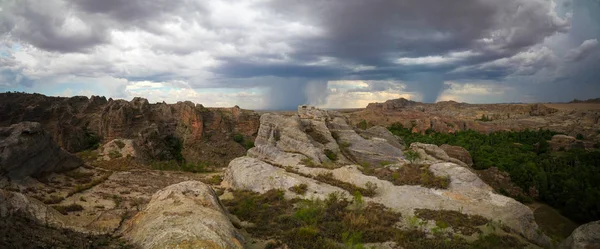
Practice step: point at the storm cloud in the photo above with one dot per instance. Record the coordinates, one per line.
(279, 54)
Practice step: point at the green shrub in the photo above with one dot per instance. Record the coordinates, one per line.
(412, 156)
(68, 208)
(299, 189)
(331, 155)
(113, 154)
(579, 136)
(238, 138)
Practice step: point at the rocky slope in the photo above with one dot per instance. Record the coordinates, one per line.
(320, 150)
(161, 131)
(26, 149)
(450, 116)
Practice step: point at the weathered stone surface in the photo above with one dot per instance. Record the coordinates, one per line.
(564, 142)
(372, 151)
(184, 215)
(27, 150)
(587, 236)
(244, 172)
(433, 153)
(459, 153)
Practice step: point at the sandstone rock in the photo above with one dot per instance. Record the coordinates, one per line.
(459, 153)
(431, 152)
(27, 150)
(79, 123)
(564, 142)
(586, 236)
(244, 172)
(184, 215)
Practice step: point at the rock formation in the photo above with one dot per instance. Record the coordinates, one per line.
(184, 215)
(294, 150)
(564, 142)
(459, 153)
(450, 116)
(185, 130)
(26, 149)
(586, 236)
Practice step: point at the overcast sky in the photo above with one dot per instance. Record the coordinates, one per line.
(262, 54)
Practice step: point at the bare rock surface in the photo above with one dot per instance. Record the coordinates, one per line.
(433, 153)
(12, 203)
(586, 236)
(26, 149)
(184, 215)
(268, 166)
(459, 153)
(564, 142)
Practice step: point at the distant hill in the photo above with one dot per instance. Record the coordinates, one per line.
(596, 100)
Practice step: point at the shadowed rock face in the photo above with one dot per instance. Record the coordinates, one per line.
(184, 215)
(26, 149)
(450, 116)
(77, 123)
(284, 144)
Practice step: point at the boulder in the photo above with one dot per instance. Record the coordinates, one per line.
(117, 148)
(459, 153)
(432, 153)
(183, 215)
(28, 150)
(17, 204)
(587, 236)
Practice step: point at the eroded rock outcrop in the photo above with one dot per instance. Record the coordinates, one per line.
(284, 145)
(459, 153)
(564, 142)
(26, 149)
(17, 204)
(586, 236)
(80, 123)
(183, 215)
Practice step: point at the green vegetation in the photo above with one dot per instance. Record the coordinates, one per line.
(299, 189)
(567, 180)
(338, 223)
(92, 140)
(329, 223)
(410, 174)
(68, 208)
(114, 154)
(465, 224)
(329, 179)
(83, 187)
(412, 156)
(363, 124)
(197, 167)
(238, 138)
(331, 155)
(484, 118)
(579, 136)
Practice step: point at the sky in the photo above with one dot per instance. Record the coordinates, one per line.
(278, 54)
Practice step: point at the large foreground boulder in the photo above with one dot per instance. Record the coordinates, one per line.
(586, 236)
(17, 204)
(28, 150)
(459, 153)
(183, 215)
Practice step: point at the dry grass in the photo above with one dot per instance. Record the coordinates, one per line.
(68, 208)
(465, 224)
(410, 174)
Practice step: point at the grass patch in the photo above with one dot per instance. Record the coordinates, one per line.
(214, 180)
(308, 162)
(88, 155)
(80, 177)
(84, 187)
(172, 165)
(331, 155)
(53, 199)
(68, 208)
(465, 224)
(329, 179)
(299, 189)
(329, 223)
(410, 174)
(113, 154)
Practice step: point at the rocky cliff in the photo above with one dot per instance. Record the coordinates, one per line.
(450, 116)
(161, 131)
(320, 151)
